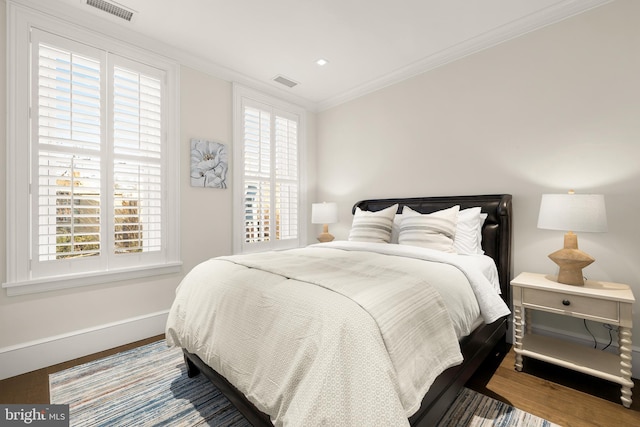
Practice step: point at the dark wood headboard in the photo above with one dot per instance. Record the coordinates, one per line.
(496, 233)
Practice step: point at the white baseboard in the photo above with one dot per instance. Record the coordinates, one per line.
(26, 357)
(587, 341)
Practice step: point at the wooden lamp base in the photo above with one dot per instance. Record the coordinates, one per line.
(571, 261)
(325, 236)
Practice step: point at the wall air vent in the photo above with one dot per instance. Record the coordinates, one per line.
(285, 81)
(113, 8)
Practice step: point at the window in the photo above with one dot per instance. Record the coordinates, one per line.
(94, 197)
(268, 146)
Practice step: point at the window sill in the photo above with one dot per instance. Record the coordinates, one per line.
(47, 284)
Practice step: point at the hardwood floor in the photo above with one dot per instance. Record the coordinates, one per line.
(33, 387)
(561, 396)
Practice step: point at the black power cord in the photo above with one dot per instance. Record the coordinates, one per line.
(608, 327)
(595, 343)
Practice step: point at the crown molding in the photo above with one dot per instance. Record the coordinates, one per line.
(117, 29)
(551, 15)
(532, 22)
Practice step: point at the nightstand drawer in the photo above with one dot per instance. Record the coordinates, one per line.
(567, 303)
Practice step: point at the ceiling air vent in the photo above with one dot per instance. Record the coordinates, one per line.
(285, 81)
(113, 8)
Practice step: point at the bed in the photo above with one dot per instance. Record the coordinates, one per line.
(474, 347)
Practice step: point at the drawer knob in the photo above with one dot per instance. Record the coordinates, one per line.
(566, 302)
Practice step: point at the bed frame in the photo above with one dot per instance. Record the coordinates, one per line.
(484, 341)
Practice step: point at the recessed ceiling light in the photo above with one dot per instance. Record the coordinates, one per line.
(322, 62)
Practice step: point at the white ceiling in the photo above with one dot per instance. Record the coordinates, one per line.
(369, 43)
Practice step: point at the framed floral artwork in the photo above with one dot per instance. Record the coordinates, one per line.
(209, 164)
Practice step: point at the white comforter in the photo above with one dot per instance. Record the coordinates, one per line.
(333, 334)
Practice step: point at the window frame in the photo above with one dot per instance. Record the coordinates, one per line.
(240, 95)
(20, 156)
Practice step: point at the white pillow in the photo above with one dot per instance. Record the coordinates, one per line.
(373, 226)
(435, 230)
(468, 238)
(397, 220)
(463, 242)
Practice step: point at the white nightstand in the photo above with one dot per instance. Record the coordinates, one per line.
(603, 302)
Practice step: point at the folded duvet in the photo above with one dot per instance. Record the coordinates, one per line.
(329, 334)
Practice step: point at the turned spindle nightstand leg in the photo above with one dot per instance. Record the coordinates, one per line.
(518, 329)
(624, 343)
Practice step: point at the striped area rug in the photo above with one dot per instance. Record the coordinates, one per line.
(148, 386)
(145, 386)
(472, 409)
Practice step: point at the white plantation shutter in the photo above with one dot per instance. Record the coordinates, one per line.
(75, 217)
(68, 120)
(257, 200)
(69, 206)
(257, 142)
(257, 169)
(137, 164)
(286, 177)
(270, 175)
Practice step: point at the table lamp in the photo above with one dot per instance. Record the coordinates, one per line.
(572, 212)
(325, 214)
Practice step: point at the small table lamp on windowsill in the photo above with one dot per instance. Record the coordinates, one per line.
(572, 212)
(325, 214)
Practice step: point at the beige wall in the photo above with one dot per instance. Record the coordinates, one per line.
(556, 109)
(206, 213)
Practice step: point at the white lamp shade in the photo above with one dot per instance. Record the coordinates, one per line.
(573, 212)
(324, 213)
